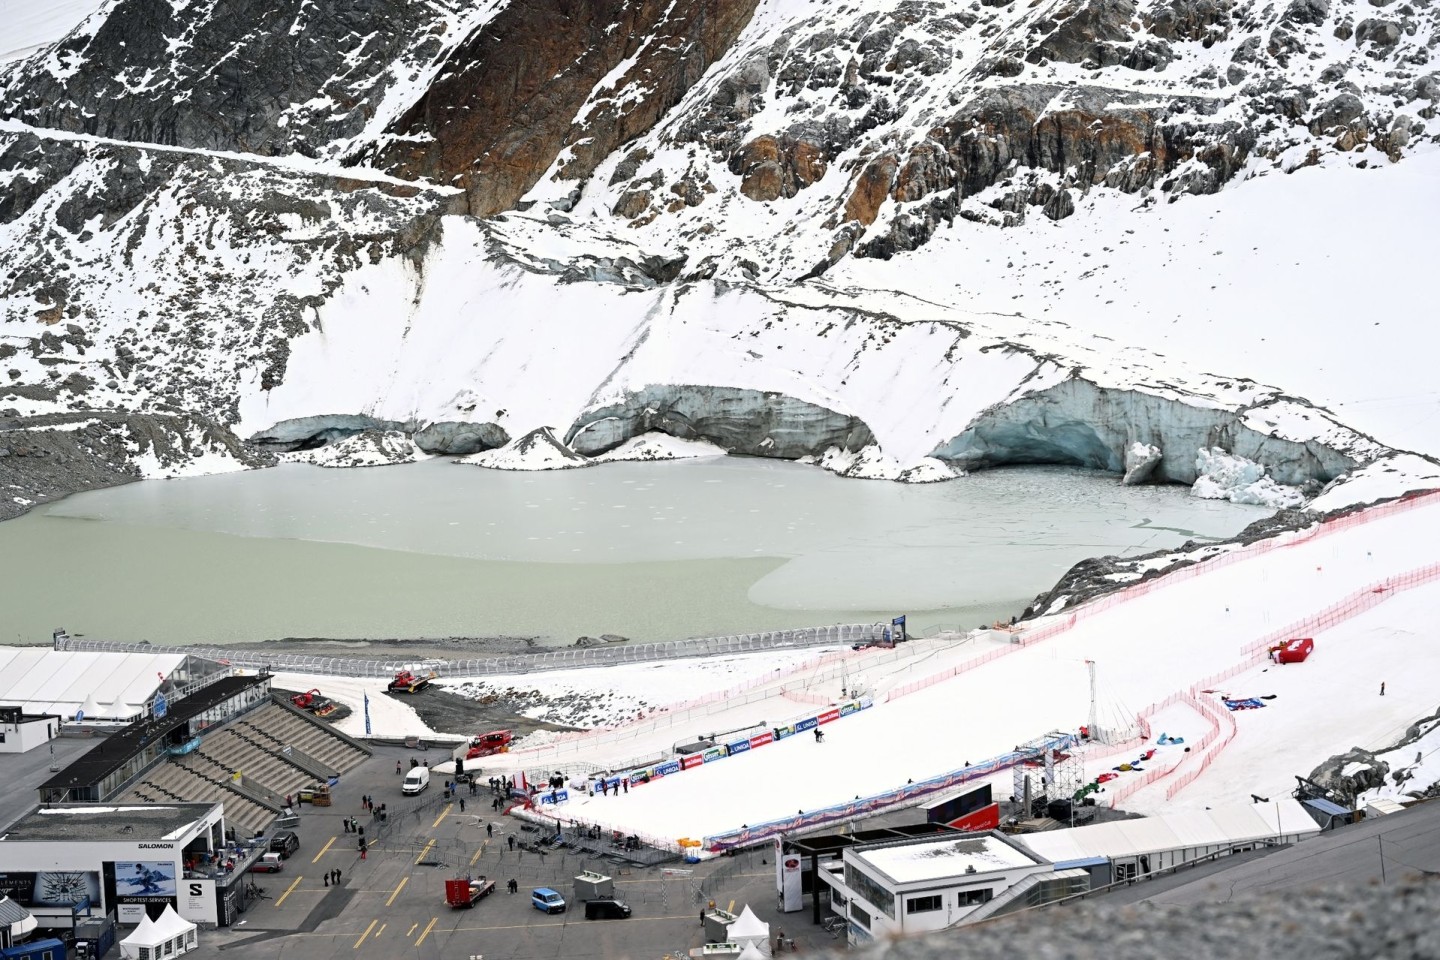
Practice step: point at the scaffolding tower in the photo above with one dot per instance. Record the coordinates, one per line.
(1047, 773)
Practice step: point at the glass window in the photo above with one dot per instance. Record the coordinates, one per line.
(863, 886)
(859, 915)
(922, 904)
(973, 898)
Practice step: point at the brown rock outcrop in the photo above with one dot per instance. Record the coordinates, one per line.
(511, 97)
(772, 167)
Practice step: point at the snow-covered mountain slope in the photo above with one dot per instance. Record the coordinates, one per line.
(778, 227)
(31, 26)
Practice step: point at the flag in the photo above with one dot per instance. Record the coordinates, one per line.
(367, 713)
(899, 624)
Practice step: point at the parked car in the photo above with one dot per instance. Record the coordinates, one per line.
(268, 863)
(285, 843)
(543, 898)
(606, 909)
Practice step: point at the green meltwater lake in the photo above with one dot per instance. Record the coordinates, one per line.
(650, 551)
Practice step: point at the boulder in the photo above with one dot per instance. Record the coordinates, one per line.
(1140, 462)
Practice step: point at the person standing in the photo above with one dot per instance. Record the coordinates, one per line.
(326, 878)
(1382, 688)
(337, 876)
(462, 804)
(362, 848)
(398, 771)
(511, 840)
(489, 829)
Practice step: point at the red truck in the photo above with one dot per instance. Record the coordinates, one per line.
(461, 892)
(496, 741)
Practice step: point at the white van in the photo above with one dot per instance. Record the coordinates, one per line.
(416, 780)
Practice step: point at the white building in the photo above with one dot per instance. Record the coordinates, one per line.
(1135, 848)
(21, 732)
(912, 886)
(60, 860)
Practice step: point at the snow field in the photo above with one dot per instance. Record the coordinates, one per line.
(388, 717)
(1146, 649)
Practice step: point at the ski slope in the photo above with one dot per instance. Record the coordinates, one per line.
(29, 25)
(1146, 649)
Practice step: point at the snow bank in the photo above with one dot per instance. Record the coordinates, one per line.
(372, 448)
(389, 717)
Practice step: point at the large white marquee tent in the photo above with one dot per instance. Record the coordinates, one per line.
(106, 686)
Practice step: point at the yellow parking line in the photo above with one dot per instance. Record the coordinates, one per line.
(324, 850)
(426, 852)
(731, 908)
(428, 927)
(477, 855)
(398, 887)
(381, 930)
(365, 934)
(293, 884)
(443, 814)
(412, 929)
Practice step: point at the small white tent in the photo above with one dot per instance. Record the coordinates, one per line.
(118, 710)
(168, 936)
(751, 952)
(90, 709)
(749, 930)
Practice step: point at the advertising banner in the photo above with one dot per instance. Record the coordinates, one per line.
(51, 888)
(144, 881)
(787, 730)
(197, 901)
(866, 703)
(807, 724)
(665, 769)
(788, 865)
(130, 914)
(714, 753)
(760, 739)
(691, 760)
(554, 796)
(739, 746)
(829, 715)
(849, 707)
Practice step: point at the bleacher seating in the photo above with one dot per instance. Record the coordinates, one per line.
(252, 747)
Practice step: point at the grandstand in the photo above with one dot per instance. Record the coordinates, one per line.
(227, 741)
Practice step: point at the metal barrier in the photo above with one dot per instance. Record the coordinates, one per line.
(567, 659)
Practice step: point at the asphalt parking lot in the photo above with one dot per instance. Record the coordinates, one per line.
(393, 902)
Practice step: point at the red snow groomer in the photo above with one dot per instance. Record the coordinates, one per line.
(496, 741)
(310, 700)
(407, 682)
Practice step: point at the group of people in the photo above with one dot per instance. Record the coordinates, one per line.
(331, 877)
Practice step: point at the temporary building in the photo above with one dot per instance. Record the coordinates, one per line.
(90, 709)
(61, 681)
(751, 952)
(749, 930)
(167, 936)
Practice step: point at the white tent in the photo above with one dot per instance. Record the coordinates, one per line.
(90, 709)
(168, 936)
(750, 932)
(118, 710)
(751, 952)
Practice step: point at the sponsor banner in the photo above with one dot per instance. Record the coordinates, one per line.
(691, 760)
(866, 703)
(642, 775)
(786, 731)
(739, 746)
(554, 796)
(829, 715)
(760, 739)
(808, 723)
(665, 769)
(714, 753)
(790, 896)
(849, 707)
(197, 901)
(986, 818)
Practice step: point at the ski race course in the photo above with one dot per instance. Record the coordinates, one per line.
(1166, 651)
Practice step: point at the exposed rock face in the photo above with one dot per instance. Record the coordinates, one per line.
(1077, 422)
(739, 421)
(48, 457)
(197, 326)
(456, 439)
(528, 84)
(288, 76)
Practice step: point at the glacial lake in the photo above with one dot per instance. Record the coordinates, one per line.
(650, 551)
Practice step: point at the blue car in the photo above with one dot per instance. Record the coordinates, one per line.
(543, 898)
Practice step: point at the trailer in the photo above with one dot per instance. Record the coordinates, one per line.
(408, 682)
(462, 892)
